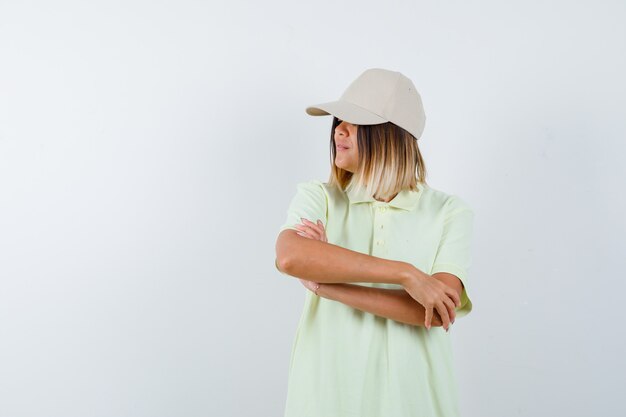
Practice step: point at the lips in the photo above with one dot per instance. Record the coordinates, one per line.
(342, 147)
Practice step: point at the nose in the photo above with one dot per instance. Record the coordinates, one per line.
(341, 129)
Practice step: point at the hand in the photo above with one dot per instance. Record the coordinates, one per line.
(312, 230)
(313, 286)
(432, 294)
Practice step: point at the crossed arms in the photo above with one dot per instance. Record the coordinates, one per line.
(327, 263)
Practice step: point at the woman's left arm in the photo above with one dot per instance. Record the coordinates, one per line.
(395, 304)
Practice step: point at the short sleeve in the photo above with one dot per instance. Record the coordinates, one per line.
(310, 202)
(454, 253)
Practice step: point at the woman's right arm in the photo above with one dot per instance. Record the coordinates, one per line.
(325, 262)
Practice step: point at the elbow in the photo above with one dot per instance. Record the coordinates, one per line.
(287, 250)
(283, 263)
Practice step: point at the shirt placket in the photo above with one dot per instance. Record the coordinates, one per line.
(379, 243)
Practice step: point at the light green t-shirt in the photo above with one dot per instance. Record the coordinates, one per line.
(349, 363)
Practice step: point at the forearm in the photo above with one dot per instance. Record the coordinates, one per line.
(324, 262)
(395, 304)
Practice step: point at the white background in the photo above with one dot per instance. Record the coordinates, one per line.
(148, 151)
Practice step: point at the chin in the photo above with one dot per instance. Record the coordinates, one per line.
(344, 168)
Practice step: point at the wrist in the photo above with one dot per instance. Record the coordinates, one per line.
(408, 274)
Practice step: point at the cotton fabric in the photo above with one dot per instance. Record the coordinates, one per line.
(349, 363)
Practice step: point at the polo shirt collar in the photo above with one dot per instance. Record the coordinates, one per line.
(405, 199)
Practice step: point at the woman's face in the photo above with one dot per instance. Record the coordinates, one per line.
(346, 149)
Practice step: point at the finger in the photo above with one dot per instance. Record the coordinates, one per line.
(429, 317)
(312, 228)
(302, 231)
(319, 222)
(313, 233)
(315, 226)
(451, 292)
(450, 306)
(443, 312)
(323, 231)
(454, 295)
(308, 230)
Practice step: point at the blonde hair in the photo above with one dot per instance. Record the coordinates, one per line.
(389, 161)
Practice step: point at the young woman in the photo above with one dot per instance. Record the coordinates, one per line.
(385, 258)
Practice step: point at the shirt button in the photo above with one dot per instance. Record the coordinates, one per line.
(381, 226)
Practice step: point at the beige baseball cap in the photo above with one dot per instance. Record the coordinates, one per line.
(378, 96)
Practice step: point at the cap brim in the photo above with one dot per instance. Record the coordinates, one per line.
(346, 111)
